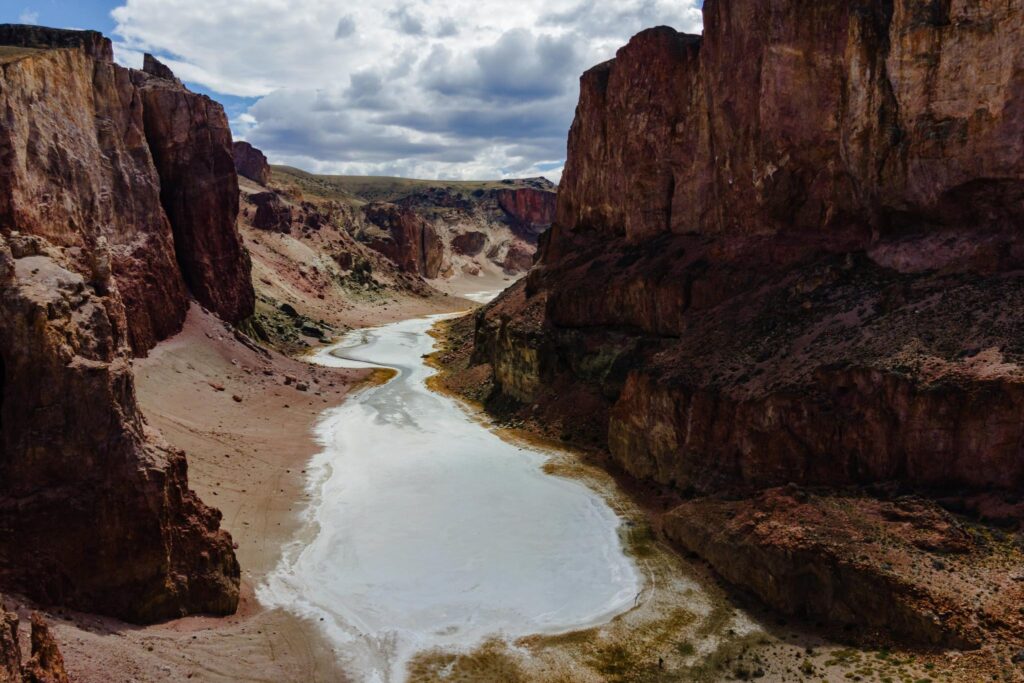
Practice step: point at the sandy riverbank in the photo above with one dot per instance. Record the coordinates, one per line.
(246, 458)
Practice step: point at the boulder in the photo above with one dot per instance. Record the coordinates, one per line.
(469, 243)
(271, 213)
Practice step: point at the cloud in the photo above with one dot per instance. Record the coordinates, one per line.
(28, 16)
(346, 27)
(407, 22)
(455, 89)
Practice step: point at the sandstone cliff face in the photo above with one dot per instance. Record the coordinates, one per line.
(788, 251)
(405, 238)
(251, 163)
(531, 209)
(78, 172)
(836, 122)
(94, 512)
(190, 141)
(805, 218)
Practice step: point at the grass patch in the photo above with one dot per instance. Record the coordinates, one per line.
(489, 662)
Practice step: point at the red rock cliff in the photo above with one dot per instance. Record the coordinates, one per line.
(531, 210)
(405, 238)
(251, 163)
(77, 171)
(786, 250)
(836, 121)
(789, 251)
(94, 512)
(190, 141)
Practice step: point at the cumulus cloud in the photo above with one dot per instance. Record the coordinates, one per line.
(28, 16)
(454, 89)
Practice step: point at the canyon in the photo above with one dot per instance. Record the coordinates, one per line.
(765, 334)
(331, 251)
(786, 254)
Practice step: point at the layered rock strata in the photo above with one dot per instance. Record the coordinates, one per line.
(787, 251)
(111, 206)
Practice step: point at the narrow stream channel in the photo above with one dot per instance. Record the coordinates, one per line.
(426, 530)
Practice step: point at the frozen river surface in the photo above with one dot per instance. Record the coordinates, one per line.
(427, 530)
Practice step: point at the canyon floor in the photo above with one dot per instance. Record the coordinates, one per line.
(245, 417)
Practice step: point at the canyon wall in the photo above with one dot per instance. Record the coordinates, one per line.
(531, 210)
(404, 237)
(838, 122)
(190, 141)
(118, 193)
(787, 254)
(435, 229)
(786, 251)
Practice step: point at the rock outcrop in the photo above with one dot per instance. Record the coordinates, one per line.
(10, 650)
(251, 163)
(95, 512)
(469, 243)
(190, 141)
(901, 567)
(787, 251)
(405, 238)
(46, 664)
(531, 209)
(271, 213)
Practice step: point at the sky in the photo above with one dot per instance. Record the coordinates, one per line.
(468, 89)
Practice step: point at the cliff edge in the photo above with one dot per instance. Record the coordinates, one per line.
(117, 197)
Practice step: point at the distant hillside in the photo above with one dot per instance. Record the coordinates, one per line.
(391, 189)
